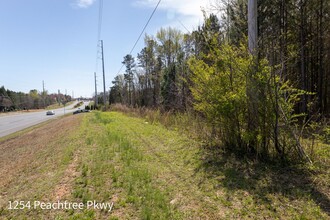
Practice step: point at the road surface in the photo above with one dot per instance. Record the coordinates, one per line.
(15, 122)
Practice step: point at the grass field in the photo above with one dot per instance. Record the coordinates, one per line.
(148, 172)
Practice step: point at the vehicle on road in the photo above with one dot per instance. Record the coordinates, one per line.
(50, 112)
(80, 111)
(77, 111)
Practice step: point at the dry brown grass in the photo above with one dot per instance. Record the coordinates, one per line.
(32, 164)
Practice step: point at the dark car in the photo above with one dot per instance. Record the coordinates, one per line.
(78, 111)
(50, 112)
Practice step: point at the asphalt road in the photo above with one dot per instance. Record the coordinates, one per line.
(15, 122)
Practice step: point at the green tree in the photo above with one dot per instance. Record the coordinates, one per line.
(129, 63)
(117, 90)
(149, 77)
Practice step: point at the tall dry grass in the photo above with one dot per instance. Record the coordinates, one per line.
(189, 122)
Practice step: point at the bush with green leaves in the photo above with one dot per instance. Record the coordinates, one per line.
(221, 81)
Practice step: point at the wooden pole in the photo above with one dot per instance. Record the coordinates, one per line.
(104, 98)
(95, 104)
(252, 26)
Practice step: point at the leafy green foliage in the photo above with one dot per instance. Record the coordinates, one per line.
(253, 104)
(220, 90)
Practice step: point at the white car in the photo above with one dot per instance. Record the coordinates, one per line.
(50, 112)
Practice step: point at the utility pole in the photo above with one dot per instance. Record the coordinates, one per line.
(251, 87)
(104, 98)
(252, 26)
(43, 93)
(59, 97)
(95, 102)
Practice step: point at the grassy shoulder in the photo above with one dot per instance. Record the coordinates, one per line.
(148, 172)
(207, 183)
(32, 164)
(58, 105)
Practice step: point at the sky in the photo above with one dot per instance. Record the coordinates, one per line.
(55, 41)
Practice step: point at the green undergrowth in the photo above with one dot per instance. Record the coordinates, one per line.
(151, 172)
(148, 171)
(115, 170)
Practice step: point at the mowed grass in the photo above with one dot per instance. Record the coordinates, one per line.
(32, 164)
(148, 172)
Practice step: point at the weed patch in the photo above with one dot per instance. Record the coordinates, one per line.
(114, 171)
(148, 171)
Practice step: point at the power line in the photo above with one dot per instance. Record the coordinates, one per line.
(99, 32)
(144, 28)
(183, 26)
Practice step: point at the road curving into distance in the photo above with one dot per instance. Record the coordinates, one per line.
(15, 122)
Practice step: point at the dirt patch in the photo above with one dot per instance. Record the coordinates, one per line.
(64, 188)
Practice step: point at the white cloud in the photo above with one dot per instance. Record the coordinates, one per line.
(84, 3)
(181, 13)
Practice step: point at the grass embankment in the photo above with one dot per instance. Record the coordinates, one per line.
(58, 105)
(33, 163)
(148, 172)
